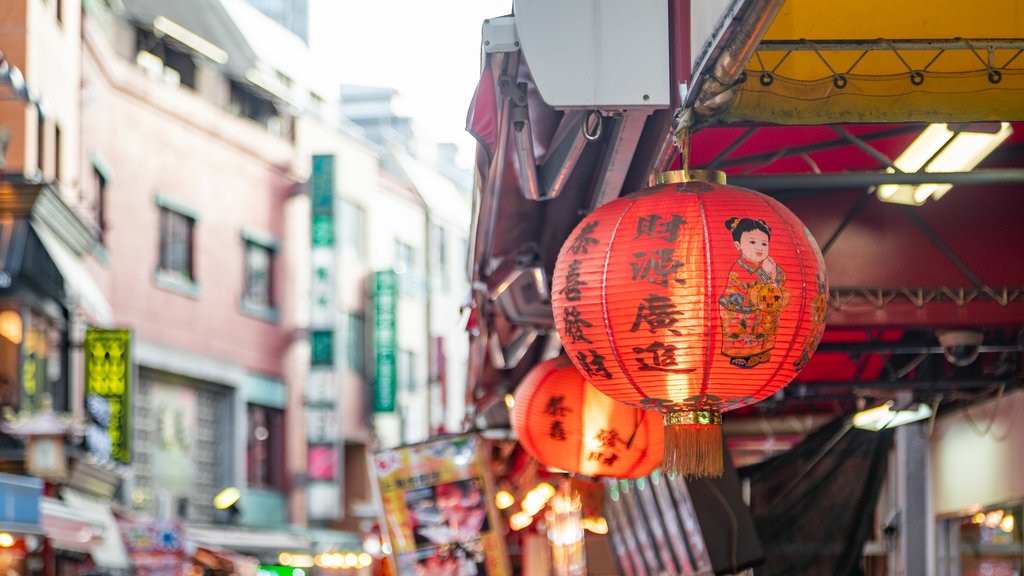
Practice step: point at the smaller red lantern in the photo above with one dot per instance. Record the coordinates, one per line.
(565, 422)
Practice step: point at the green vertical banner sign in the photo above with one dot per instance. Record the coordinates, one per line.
(321, 191)
(108, 386)
(385, 301)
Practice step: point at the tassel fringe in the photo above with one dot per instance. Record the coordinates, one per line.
(693, 451)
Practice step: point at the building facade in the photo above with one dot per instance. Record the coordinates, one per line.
(48, 297)
(163, 286)
(193, 168)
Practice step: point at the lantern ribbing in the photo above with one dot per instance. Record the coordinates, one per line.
(690, 298)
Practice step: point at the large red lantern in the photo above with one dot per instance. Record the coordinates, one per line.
(691, 298)
(566, 423)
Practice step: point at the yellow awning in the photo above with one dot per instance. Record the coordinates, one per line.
(883, 61)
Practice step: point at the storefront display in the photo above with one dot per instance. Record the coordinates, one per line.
(21, 529)
(987, 542)
(437, 507)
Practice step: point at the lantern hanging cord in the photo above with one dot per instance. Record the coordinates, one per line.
(681, 134)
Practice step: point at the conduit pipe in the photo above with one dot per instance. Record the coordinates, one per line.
(564, 155)
(716, 83)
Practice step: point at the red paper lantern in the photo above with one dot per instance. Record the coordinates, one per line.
(691, 298)
(566, 423)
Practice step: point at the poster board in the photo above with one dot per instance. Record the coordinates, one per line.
(437, 508)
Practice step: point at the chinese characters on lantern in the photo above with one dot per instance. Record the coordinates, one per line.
(656, 312)
(690, 298)
(557, 409)
(566, 423)
(606, 442)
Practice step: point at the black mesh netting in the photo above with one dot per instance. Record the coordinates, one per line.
(814, 505)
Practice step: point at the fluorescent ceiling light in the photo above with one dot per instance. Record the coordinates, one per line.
(941, 150)
(882, 417)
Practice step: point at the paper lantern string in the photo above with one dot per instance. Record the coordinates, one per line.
(681, 133)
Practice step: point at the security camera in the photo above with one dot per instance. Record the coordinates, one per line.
(961, 347)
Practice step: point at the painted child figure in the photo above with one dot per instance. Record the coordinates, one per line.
(751, 303)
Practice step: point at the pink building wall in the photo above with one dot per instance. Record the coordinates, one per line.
(228, 170)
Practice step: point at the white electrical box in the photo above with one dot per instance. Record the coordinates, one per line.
(499, 35)
(597, 53)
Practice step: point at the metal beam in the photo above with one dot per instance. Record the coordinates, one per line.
(761, 158)
(812, 388)
(894, 44)
(623, 136)
(859, 348)
(840, 180)
(843, 296)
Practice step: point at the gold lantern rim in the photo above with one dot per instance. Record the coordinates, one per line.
(678, 176)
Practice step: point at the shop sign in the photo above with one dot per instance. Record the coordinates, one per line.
(321, 191)
(19, 501)
(385, 302)
(438, 508)
(108, 384)
(156, 548)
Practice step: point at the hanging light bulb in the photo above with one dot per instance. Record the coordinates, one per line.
(1006, 524)
(504, 499)
(519, 520)
(993, 518)
(597, 525)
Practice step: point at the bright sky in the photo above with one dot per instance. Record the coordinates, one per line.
(428, 51)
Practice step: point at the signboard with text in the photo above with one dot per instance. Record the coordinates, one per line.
(108, 385)
(385, 301)
(438, 508)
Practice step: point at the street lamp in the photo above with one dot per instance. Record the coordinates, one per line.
(226, 505)
(44, 432)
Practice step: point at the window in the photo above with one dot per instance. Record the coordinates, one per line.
(265, 452)
(56, 153)
(440, 259)
(41, 142)
(176, 245)
(182, 63)
(462, 255)
(248, 103)
(355, 344)
(43, 353)
(258, 295)
(463, 249)
(11, 335)
(316, 103)
(164, 59)
(100, 201)
(405, 257)
(353, 228)
(405, 370)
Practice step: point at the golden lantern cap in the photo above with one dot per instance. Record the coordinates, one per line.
(677, 176)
